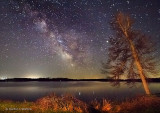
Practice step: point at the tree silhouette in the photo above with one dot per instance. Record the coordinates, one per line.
(130, 53)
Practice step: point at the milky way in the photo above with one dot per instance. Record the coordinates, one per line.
(66, 44)
(65, 38)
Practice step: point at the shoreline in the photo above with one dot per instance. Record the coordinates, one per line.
(151, 80)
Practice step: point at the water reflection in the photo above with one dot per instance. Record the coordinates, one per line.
(85, 91)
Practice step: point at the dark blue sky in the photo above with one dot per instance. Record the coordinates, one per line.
(65, 38)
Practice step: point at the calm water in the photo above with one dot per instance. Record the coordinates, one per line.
(85, 91)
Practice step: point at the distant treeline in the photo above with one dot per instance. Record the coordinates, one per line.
(68, 79)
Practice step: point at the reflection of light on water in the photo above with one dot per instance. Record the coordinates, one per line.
(86, 91)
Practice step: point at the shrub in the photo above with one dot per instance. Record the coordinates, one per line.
(103, 106)
(145, 104)
(62, 103)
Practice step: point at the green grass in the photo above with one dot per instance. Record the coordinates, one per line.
(9, 106)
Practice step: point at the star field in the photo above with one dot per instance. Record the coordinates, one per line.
(65, 38)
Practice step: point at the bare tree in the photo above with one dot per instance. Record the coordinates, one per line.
(130, 53)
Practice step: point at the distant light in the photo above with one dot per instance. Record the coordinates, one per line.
(33, 76)
(107, 41)
(3, 78)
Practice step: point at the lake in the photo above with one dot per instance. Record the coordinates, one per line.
(84, 90)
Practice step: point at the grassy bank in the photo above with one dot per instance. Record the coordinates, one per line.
(69, 104)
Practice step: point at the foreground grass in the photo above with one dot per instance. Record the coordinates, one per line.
(14, 107)
(145, 104)
(69, 104)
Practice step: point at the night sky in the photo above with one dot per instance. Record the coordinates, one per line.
(65, 38)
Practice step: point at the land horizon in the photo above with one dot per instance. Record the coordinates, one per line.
(70, 79)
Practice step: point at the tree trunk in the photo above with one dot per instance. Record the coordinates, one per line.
(139, 67)
(134, 54)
